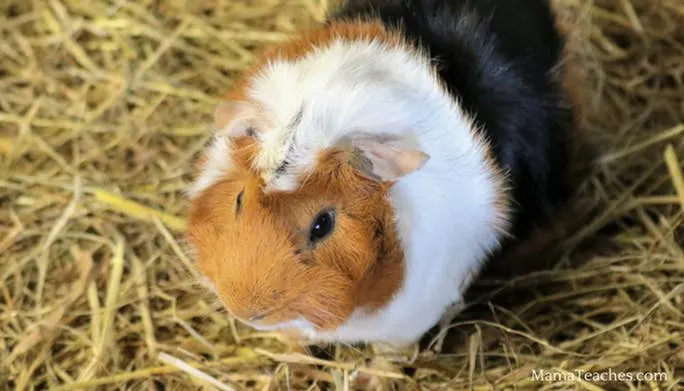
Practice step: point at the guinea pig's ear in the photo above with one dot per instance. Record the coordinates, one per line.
(233, 118)
(385, 158)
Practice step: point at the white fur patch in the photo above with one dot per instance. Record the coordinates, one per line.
(217, 164)
(446, 212)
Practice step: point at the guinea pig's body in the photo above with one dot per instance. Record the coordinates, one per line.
(364, 172)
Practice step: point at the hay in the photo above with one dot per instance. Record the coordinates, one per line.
(103, 106)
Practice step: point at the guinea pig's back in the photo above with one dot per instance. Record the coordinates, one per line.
(496, 58)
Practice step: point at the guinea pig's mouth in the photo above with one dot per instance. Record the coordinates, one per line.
(299, 323)
(261, 321)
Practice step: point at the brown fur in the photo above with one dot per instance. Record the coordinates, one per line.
(260, 259)
(576, 83)
(572, 71)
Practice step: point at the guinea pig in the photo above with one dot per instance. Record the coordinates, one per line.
(362, 173)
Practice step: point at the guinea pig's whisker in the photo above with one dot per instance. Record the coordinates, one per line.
(306, 179)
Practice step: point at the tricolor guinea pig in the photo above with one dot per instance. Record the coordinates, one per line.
(362, 173)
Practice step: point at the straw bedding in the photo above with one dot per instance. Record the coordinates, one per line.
(103, 107)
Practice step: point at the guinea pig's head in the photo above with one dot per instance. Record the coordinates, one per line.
(309, 255)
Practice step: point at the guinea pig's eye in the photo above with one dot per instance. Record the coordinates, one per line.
(322, 226)
(238, 203)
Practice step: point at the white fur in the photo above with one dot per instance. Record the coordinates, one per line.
(446, 212)
(217, 164)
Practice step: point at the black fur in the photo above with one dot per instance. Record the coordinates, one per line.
(496, 57)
